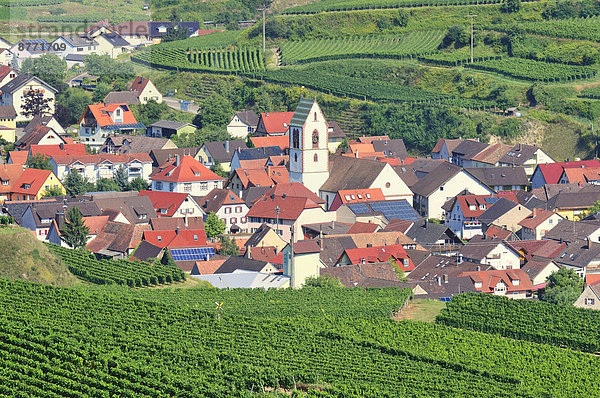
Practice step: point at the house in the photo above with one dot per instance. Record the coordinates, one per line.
(572, 205)
(242, 124)
(487, 157)
(502, 178)
(582, 256)
(335, 136)
(545, 248)
(146, 251)
(462, 212)
(348, 196)
(160, 156)
(168, 128)
(549, 173)
(263, 153)
(377, 254)
(75, 45)
(9, 175)
(465, 150)
(443, 149)
(6, 58)
(590, 298)
(48, 121)
(95, 167)
(185, 174)
(28, 48)
(126, 207)
(177, 239)
(265, 236)
(580, 175)
(39, 216)
(571, 231)
(538, 223)
(33, 184)
(173, 204)
(40, 135)
(134, 144)
(234, 263)
(122, 97)
(287, 207)
(268, 254)
(434, 237)
(95, 226)
(228, 207)
(528, 156)
(495, 231)
(211, 153)
(116, 240)
(445, 182)
(273, 123)
(351, 173)
(378, 212)
(173, 223)
(6, 72)
(51, 151)
(8, 124)
(241, 180)
(242, 279)
(158, 29)
(511, 283)
(301, 261)
(391, 148)
(539, 269)
(111, 44)
(490, 251)
(145, 90)
(504, 213)
(137, 33)
(13, 93)
(99, 121)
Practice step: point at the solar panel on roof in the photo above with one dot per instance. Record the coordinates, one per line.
(396, 209)
(194, 254)
(359, 208)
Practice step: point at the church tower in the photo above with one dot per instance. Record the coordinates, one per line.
(309, 155)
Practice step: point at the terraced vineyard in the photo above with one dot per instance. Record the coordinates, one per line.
(224, 60)
(208, 41)
(120, 342)
(575, 28)
(593, 92)
(134, 274)
(460, 56)
(349, 5)
(413, 44)
(541, 322)
(528, 69)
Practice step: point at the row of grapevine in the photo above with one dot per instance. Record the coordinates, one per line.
(537, 321)
(532, 70)
(387, 46)
(350, 5)
(230, 60)
(575, 28)
(366, 88)
(593, 92)
(105, 342)
(91, 18)
(460, 56)
(208, 41)
(134, 274)
(29, 3)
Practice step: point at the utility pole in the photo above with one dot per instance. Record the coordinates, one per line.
(264, 8)
(471, 16)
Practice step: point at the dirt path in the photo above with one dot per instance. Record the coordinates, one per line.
(423, 310)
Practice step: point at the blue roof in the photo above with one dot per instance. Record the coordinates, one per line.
(194, 254)
(114, 127)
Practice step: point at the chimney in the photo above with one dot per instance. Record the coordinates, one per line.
(185, 221)
(60, 219)
(227, 146)
(177, 231)
(478, 268)
(588, 242)
(445, 278)
(176, 160)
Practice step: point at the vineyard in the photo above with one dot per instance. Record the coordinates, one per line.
(90, 18)
(536, 321)
(528, 69)
(121, 272)
(593, 93)
(222, 60)
(106, 342)
(576, 28)
(209, 41)
(29, 3)
(413, 44)
(460, 56)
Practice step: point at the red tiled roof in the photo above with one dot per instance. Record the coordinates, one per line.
(139, 84)
(592, 279)
(262, 253)
(189, 169)
(210, 266)
(95, 223)
(362, 227)
(276, 122)
(537, 217)
(58, 150)
(169, 201)
(18, 157)
(99, 158)
(294, 189)
(490, 278)
(263, 177)
(360, 195)
(33, 178)
(282, 141)
(4, 71)
(306, 246)
(377, 254)
(172, 239)
(580, 175)
(553, 171)
(465, 201)
(495, 231)
(102, 116)
(369, 139)
(10, 173)
(290, 208)
(547, 248)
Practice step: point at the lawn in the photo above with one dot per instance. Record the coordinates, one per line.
(424, 310)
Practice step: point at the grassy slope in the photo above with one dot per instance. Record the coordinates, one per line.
(24, 257)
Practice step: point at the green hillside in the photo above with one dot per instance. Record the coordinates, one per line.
(23, 257)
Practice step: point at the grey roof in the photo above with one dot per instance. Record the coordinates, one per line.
(494, 176)
(213, 200)
(259, 153)
(427, 234)
(46, 211)
(391, 148)
(75, 57)
(391, 209)
(217, 149)
(333, 247)
(519, 154)
(37, 121)
(249, 118)
(190, 27)
(133, 143)
(335, 131)
(407, 174)
(16, 209)
(327, 228)
(548, 191)
(301, 112)
(535, 265)
(579, 254)
(146, 250)
(421, 166)
(498, 209)
(573, 200)
(418, 256)
(169, 124)
(79, 41)
(115, 39)
(432, 181)
(234, 263)
(122, 97)
(570, 231)
(469, 148)
(137, 209)
(22, 80)
(160, 156)
(479, 247)
(245, 280)
(7, 111)
(257, 236)
(251, 194)
(351, 173)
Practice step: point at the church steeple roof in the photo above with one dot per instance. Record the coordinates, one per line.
(302, 111)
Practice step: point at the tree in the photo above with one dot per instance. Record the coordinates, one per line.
(215, 110)
(49, 67)
(591, 210)
(564, 287)
(74, 232)
(121, 178)
(138, 184)
(511, 6)
(150, 112)
(323, 281)
(208, 133)
(75, 100)
(100, 92)
(217, 168)
(54, 190)
(40, 162)
(106, 184)
(106, 68)
(228, 246)
(75, 184)
(175, 32)
(34, 104)
(213, 225)
(456, 35)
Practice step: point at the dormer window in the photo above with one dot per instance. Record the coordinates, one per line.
(515, 282)
(159, 238)
(4, 182)
(478, 285)
(471, 207)
(195, 237)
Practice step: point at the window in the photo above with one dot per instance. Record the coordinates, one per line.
(163, 211)
(233, 220)
(238, 209)
(187, 187)
(204, 186)
(158, 185)
(171, 186)
(316, 158)
(315, 116)
(590, 301)
(441, 188)
(195, 237)
(296, 139)
(227, 210)
(550, 221)
(243, 220)
(159, 238)
(315, 139)
(216, 184)
(295, 157)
